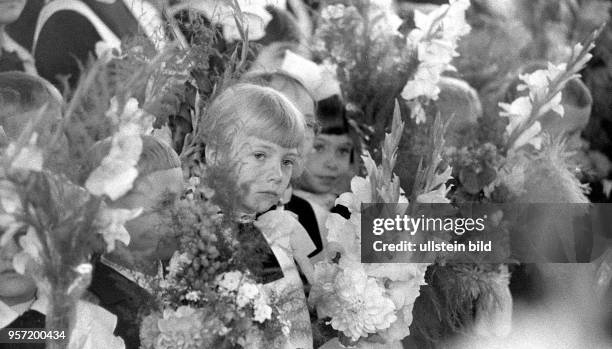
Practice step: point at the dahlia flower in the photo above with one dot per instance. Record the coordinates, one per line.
(359, 305)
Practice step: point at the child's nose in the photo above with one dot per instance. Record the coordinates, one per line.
(331, 163)
(275, 172)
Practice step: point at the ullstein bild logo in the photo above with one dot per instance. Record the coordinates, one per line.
(494, 233)
(432, 246)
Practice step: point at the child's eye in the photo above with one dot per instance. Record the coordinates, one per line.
(288, 162)
(344, 151)
(259, 155)
(319, 147)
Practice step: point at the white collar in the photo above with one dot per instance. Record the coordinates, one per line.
(10, 45)
(144, 281)
(8, 313)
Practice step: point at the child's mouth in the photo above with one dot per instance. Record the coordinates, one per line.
(327, 179)
(269, 193)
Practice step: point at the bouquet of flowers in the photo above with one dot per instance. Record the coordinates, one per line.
(233, 311)
(65, 223)
(371, 302)
(492, 164)
(361, 41)
(209, 297)
(379, 58)
(508, 158)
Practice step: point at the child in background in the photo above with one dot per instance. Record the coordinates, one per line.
(318, 88)
(259, 133)
(13, 57)
(22, 306)
(23, 95)
(329, 164)
(122, 279)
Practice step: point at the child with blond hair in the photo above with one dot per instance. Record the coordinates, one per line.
(259, 133)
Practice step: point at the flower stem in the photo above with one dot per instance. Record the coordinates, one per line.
(60, 317)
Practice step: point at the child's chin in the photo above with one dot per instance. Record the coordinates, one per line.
(262, 204)
(262, 207)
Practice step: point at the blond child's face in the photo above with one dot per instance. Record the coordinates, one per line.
(149, 237)
(10, 10)
(327, 163)
(14, 287)
(264, 169)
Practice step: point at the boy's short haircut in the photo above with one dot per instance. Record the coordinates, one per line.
(244, 110)
(156, 156)
(20, 95)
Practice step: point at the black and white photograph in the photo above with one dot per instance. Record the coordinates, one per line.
(305, 174)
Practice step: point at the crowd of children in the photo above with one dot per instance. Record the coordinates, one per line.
(266, 129)
(286, 140)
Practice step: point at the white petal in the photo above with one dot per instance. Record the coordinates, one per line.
(529, 136)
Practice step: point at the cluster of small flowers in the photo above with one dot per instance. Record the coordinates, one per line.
(190, 269)
(361, 38)
(230, 309)
(476, 166)
(237, 311)
(247, 294)
(185, 328)
(336, 22)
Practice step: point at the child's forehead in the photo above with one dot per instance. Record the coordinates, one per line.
(251, 141)
(334, 138)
